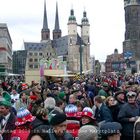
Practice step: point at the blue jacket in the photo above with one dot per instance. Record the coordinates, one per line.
(103, 114)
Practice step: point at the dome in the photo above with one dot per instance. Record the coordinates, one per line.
(84, 19)
(72, 17)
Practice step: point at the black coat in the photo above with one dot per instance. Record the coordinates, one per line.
(10, 125)
(114, 112)
(126, 112)
(39, 124)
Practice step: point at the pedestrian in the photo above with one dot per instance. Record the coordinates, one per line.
(102, 112)
(87, 117)
(88, 132)
(73, 122)
(111, 131)
(7, 117)
(127, 116)
(23, 124)
(58, 124)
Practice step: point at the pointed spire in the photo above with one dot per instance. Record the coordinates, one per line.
(45, 32)
(56, 31)
(56, 18)
(45, 21)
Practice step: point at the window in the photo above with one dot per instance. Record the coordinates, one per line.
(35, 54)
(30, 60)
(35, 66)
(30, 54)
(40, 54)
(31, 66)
(35, 60)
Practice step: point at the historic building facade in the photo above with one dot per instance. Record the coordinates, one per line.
(75, 41)
(115, 62)
(5, 50)
(61, 46)
(131, 43)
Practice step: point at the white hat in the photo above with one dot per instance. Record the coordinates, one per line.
(131, 93)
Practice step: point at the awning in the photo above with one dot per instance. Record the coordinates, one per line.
(62, 75)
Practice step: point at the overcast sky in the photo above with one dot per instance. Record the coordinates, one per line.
(24, 19)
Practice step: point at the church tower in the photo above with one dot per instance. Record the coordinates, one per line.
(85, 35)
(85, 28)
(45, 32)
(132, 28)
(56, 31)
(73, 49)
(72, 28)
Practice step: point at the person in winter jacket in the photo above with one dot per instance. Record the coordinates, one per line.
(127, 116)
(24, 118)
(58, 124)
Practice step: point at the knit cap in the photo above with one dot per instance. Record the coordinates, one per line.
(55, 117)
(61, 95)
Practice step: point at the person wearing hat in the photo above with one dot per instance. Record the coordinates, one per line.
(128, 114)
(62, 96)
(105, 90)
(23, 120)
(87, 117)
(73, 123)
(58, 124)
(120, 98)
(7, 117)
(111, 131)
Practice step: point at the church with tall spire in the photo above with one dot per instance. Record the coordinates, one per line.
(45, 32)
(66, 47)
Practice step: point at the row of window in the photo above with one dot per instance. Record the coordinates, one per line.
(35, 54)
(33, 60)
(34, 66)
(39, 54)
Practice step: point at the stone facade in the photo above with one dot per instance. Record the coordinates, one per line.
(67, 46)
(5, 49)
(77, 42)
(132, 28)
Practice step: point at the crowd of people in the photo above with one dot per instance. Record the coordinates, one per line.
(95, 108)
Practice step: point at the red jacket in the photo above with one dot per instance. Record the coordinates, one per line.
(73, 127)
(20, 133)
